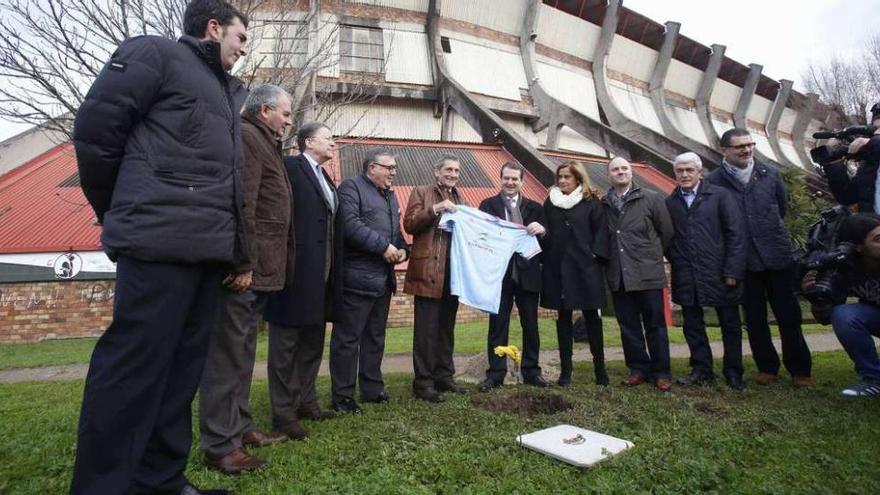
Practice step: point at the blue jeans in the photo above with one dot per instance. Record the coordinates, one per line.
(854, 325)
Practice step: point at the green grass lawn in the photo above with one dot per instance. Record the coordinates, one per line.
(470, 338)
(772, 439)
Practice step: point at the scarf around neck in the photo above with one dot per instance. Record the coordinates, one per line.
(566, 201)
(741, 174)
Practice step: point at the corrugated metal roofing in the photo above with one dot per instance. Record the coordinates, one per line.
(41, 211)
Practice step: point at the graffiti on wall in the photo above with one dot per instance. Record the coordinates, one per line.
(95, 294)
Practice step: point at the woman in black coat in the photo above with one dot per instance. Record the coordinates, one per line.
(575, 242)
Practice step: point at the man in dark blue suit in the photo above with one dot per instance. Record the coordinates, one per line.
(373, 245)
(297, 314)
(522, 282)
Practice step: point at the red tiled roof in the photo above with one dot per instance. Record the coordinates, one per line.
(39, 214)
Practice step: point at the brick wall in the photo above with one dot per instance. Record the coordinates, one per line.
(46, 310)
(50, 310)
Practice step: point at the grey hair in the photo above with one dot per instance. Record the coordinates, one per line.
(374, 155)
(443, 159)
(267, 94)
(689, 157)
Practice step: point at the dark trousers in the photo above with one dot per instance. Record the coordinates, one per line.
(224, 393)
(294, 361)
(566, 332)
(135, 428)
(499, 326)
(855, 326)
(357, 345)
(777, 287)
(640, 316)
(698, 342)
(434, 340)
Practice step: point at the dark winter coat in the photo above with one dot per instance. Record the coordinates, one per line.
(159, 152)
(308, 299)
(267, 198)
(575, 246)
(528, 271)
(639, 234)
(372, 221)
(709, 246)
(762, 204)
(426, 271)
(860, 188)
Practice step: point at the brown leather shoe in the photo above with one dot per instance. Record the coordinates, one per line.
(235, 462)
(257, 438)
(314, 412)
(766, 378)
(633, 380)
(803, 381)
(663, 384)
(294, 431)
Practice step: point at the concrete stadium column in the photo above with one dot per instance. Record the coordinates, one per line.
(799, 129)
(656, 86)
(745, 98)
(773, 121)
(616, 118)
(704, 93)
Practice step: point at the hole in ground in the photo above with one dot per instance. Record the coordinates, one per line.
(523, 403)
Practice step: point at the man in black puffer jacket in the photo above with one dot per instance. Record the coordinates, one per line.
(160, 160)
(770, 270)
(373, 245)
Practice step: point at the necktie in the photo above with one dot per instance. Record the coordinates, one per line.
(328, 193)
(513, 213)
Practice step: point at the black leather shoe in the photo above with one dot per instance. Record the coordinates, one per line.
(347, 406)
(735, 382)
(564, 380)
(429, 394)
(188, 489)
(536, 381)
(450, 386)
(695, 378)
(382, 397)
(487, 385)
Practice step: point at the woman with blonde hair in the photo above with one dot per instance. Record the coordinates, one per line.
(575, 247)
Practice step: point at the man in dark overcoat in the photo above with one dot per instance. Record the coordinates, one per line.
(708, 256)
(373, 245)
(770, 269)
(158, 145)
(297, 315)
(639, 229)
(521, 283)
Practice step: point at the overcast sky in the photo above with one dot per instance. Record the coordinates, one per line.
(781, 35)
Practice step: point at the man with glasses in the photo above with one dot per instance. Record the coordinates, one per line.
(770, 277)
(297, 314)
(373, 245)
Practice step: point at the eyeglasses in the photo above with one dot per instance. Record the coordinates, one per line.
(743, 146)
(390, 168)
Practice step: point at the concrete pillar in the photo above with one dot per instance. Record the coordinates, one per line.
(704, 93)
(772, 126)
(799, 129)
(656, 86)
(615, 117)
(745, 98)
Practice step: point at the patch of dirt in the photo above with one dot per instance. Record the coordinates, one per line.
(709, 408)
(524, 403)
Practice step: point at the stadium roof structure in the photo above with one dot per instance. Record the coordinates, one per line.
(42, 208)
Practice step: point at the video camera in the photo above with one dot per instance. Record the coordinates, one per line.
(823, 254)
(827, 154)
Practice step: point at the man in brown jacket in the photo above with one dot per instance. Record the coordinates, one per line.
(226, 423)
(427, 278)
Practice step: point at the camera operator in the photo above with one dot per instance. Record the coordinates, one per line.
(856, 323)
(860, 189)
